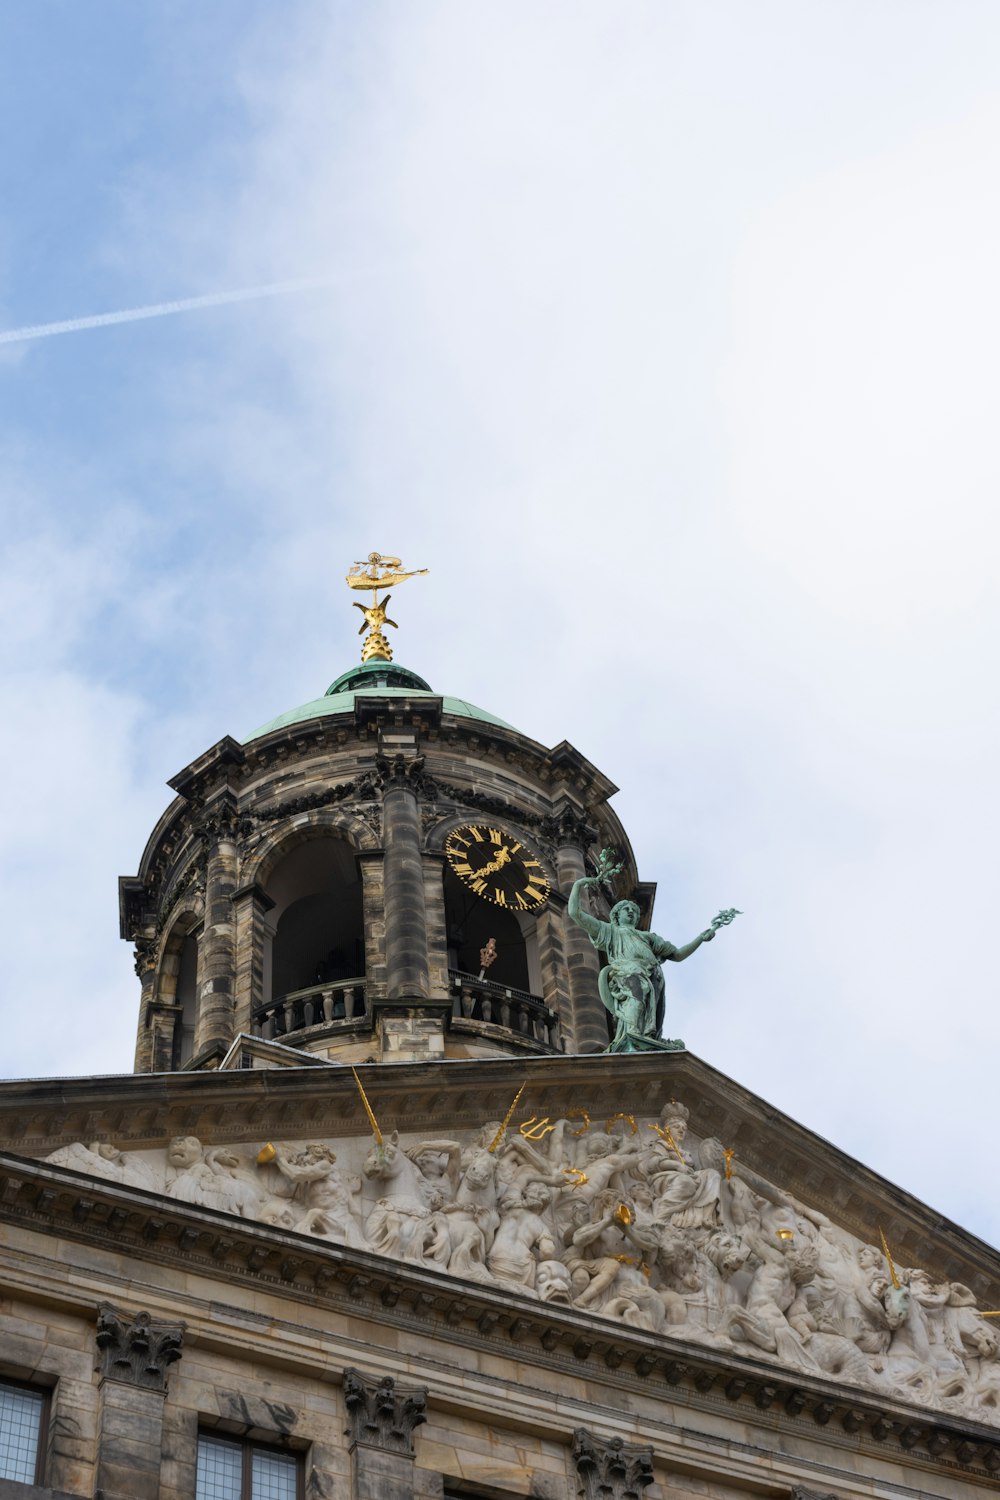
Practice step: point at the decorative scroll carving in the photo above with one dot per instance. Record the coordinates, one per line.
(464, 796)
(383, 1416)
(134, 1349)
(610, 1468)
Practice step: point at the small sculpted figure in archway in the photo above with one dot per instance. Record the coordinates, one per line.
(631, 983)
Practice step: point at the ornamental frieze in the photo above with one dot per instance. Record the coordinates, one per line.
(630, 1220)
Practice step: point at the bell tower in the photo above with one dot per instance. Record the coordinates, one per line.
(379, 874)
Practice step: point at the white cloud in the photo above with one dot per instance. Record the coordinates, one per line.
(668, 348)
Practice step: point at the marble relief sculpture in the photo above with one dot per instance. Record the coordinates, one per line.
(629, 1220)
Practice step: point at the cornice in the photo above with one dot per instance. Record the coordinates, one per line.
(82, 1210)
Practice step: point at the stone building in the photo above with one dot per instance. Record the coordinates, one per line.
(377, 1216)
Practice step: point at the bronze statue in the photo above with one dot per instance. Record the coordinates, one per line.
(631, 983)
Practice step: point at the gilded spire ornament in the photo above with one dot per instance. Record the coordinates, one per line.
(378, 572)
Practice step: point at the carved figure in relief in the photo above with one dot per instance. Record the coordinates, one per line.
(319, 1193)
(522, 1239)
(404, 1224)
(473, 1219)
(631, 984)
(209, 1178)
(102, 1159)
(774, 1315)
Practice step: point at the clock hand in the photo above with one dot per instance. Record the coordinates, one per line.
(503, 858)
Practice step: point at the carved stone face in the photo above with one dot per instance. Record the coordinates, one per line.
(184, 1151)
(480, 1170)
(552, 1282)
(536, 1197)
(598, 1145)
(433, 1163)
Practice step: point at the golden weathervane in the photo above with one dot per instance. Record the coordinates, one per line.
(378, 572)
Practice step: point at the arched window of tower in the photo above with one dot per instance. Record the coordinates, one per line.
(314, 933)
(471, 922)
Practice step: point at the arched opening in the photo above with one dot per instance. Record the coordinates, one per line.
(187, 999)
(471, 922)
(178, 985)
(316, 925)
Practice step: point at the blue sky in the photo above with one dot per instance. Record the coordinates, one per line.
(664, 335)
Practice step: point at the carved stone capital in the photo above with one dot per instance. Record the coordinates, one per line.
(219, 821)
(134, 1349)
(145, 955)
(800, 1492)
(383, 1416)
(611, 1469)
(394, 771)
(567, 826)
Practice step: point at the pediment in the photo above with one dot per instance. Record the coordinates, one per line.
(648, 1192)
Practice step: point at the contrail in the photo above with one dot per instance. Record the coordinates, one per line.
(160, 309)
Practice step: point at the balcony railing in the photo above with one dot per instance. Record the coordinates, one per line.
(339, 1000)
(497, 1004)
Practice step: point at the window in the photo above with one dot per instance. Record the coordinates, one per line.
(22, 1419)
(229, 1470)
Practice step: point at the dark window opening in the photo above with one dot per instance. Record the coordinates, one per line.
(471, 922)
(317, 919)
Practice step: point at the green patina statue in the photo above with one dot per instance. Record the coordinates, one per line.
(631, 984)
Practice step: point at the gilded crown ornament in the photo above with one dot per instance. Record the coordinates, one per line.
(378, 572)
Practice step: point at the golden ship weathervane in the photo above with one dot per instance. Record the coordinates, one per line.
(378, 572)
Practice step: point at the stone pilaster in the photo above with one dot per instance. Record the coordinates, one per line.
(436, 925)
(145, 967)
(215, 1026)
(371, 863)
(587, 1030)
(610, 1468)
(382, 1419)
(133, 1356)
(250, 908)
(407, 976)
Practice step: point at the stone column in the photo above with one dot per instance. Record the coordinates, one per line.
(145, 967)
(588, 1029)
(133, 1355)
(250, 907)
(609, 1468)
(436, 926)
(407, 976)
(371, 863)
(215, 1026)
(382, 1419)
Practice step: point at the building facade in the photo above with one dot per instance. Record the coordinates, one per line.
(377, 1215)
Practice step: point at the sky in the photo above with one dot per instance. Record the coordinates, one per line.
(664, 335)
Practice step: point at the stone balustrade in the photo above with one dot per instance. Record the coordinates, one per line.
(516, 1011)
(338, 1000)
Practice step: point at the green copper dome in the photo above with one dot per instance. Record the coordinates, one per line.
(383, 678)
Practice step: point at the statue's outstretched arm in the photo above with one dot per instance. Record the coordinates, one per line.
(681, 953)
(592, 926)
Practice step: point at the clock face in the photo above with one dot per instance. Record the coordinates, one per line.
(496, 866)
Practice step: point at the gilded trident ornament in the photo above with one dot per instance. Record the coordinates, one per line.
(378, 572)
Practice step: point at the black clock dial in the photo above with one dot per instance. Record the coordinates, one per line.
(496, 866)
